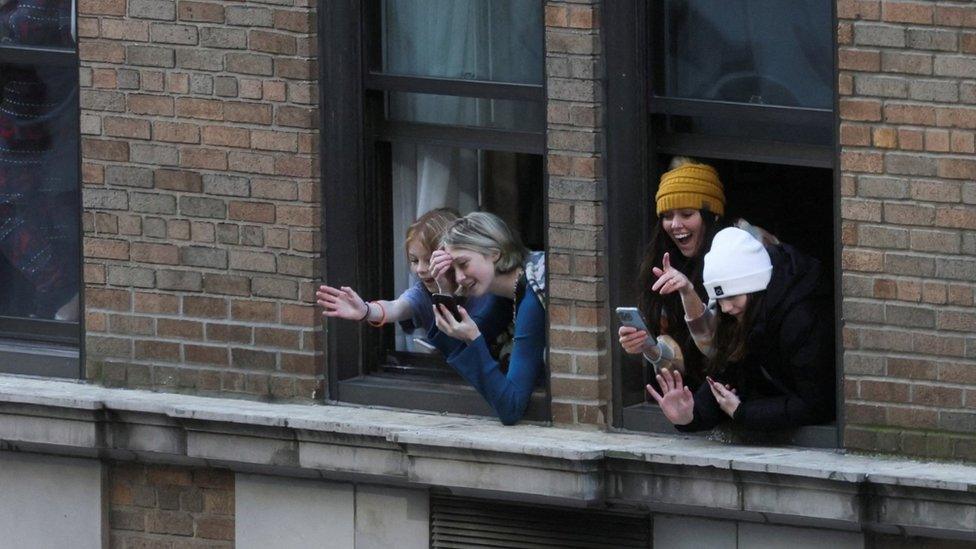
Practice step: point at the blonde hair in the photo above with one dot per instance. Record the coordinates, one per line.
(484, 233)
(428, 229)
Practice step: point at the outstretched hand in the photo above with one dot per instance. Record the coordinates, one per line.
(341, 302)
(675, 399)
(465, 329)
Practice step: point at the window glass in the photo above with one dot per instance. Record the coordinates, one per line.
(493, 40)
(766, 52)
(425, 177)
(36, 23)
(466, 111)
(39, 255)
(729, 127)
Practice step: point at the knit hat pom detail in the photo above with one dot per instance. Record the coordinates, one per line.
(692, 186)
(737, 264)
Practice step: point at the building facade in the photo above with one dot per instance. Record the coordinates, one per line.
(183, 390)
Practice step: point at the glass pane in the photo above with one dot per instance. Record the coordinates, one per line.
(36, 23)
(494, 40)
(425, 177)
(749, 51)
(769, 131)
(39, 225)
(503, 114)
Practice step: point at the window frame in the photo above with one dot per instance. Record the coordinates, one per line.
(45, 347)
(633, 145)
(350, 132)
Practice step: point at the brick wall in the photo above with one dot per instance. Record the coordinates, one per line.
(579, 357)
(201, 199)
(908, 115)
(170, 507)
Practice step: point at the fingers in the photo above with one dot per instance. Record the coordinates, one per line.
(667, 261)
(677, 379)
(463, 313)
(650, 389)
(328, 291)
(660, 282)
(350, 293)
(448, 317)
(440, 321)
(657, 271)
(625, 331)
(665, 380)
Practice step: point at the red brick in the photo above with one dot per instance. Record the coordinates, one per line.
(907, 12)
(147, 252)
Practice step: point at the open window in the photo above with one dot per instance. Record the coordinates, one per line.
(429, 104)
(746, 86)
(40, 225)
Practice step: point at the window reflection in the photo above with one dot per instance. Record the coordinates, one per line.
(36, 23)
(496, 40)
(766, 52)
(39, 270)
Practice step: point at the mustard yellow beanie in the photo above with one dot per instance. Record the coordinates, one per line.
(694, 186)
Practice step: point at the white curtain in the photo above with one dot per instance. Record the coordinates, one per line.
(498, 40)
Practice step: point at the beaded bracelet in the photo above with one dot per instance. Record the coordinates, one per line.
(366, 314)
(382, 320)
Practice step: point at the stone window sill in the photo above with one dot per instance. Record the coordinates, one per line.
(480, 457)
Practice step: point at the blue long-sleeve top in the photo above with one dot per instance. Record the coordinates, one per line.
(509, 392)
(491, 313)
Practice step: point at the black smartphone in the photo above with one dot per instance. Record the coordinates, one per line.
(448, 301)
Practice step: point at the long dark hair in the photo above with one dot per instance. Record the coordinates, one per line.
(732, 335)
(665, 313)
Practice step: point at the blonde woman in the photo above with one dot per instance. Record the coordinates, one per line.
(412, 309)
(488, 259)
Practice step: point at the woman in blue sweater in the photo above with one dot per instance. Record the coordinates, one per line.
(488, 258)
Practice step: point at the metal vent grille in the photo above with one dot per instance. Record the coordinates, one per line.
(461, 523)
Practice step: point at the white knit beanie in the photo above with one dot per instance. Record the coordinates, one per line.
(737, 264)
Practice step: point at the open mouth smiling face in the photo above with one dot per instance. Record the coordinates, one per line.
(685, 227)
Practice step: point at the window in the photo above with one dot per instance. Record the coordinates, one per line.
(761, 111)
(435, 103)
(40, 264)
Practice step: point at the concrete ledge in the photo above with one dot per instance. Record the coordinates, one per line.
(480, 457)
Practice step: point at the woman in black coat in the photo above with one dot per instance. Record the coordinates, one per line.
(766, 336)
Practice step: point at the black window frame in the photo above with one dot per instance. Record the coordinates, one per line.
(38, 347)
(634, 143)
(351, 130)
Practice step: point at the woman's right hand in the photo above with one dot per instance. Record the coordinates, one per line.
(675, 399)
(632, 339)
(341, 302)
(670, 279)
(441, 267)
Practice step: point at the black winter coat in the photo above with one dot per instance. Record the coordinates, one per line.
(786, 378)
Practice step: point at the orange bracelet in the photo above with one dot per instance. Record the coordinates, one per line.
(382, 319)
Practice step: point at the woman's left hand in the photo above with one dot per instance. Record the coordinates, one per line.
(465, 329)
(727, 400)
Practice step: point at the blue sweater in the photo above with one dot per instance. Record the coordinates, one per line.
(492, 314)
(507, 393)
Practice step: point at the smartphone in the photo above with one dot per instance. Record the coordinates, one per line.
(448, 301)
(631, 317)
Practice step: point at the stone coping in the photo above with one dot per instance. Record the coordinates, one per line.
(483, 435)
